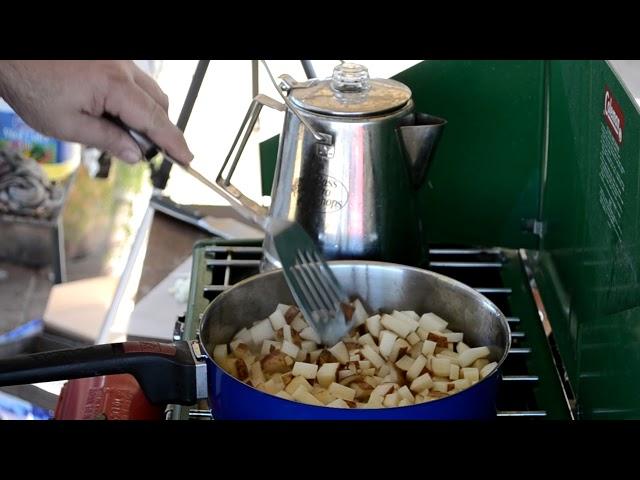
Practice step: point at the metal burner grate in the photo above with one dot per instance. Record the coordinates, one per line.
(524, 391)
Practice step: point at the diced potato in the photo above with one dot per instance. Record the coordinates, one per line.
(267, 344)
(397, 323)
(301, 356)
(454, 372)
(256, 374)
(306, 370)
(432, 322)
(428, 347)
(423, 382)
(233, 345)
(487, 369)
(412, 315)
(296, 383)
(285, 395)
(338, 403)
(385, 369)
(416, 368)
(367, 372)
(364, 364)
(441, 366)
(219, 353)
(277, 319)
(419, 399)
(450, 346)
(274, 385)
(290, 313)
(440, 340)
(454, 337)
(394, 376)
(416, 350)
(391, 399)
(308, 345)
(304, 396)
(440, 387)
(372, 380)
(262, 331)
(283, 308)
(422, 333)
(275, 362)
(244, 335)
(413, 323)
(313, 356)
(373, 325)
(366, 339)
(435, 395)
(288, 361)
(310, 334)
(290, 349)
(383, 389)
(354, 357)
(471, 355)
(413, 338)
(480, 363)
(406, 394)
(341, 391)
(387, 340)
(242, 370)
(360, 315)
(342, 374)
(327, 374)
(324, 396)
(299, 324)
(375, 401)
(404, 363)
(461, 347)
(400, 348)
(404, 403)
(461, 383)
(471, 374)
(340, 352)
(286, 333)
(371, 355)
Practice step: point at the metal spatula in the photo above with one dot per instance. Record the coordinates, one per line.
(321, 298)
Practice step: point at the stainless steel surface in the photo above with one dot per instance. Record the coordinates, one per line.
(320, 137)
(560, 369)
(202, 385)
(348, 175)
(312, 283)
(351, 93)
(355, 198)
(247, 207)
(520, 351)
(522, 413)
(381, 287)
(520, 378)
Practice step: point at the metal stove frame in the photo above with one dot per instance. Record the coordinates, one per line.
(534, 382)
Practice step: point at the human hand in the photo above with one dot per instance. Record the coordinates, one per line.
(66, 99)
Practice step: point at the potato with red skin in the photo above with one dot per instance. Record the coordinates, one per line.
(275, 362)
(351, 374)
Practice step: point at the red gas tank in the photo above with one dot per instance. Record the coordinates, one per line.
(110, 397)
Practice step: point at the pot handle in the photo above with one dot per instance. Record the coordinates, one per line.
(166, 372)
(256, 212)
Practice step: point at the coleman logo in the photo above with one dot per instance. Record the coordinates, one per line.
(613, 115)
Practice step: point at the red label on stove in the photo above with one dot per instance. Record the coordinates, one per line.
(613, 115)
(149, 347)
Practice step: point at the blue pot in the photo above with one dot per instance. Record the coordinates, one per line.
(381, 286)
